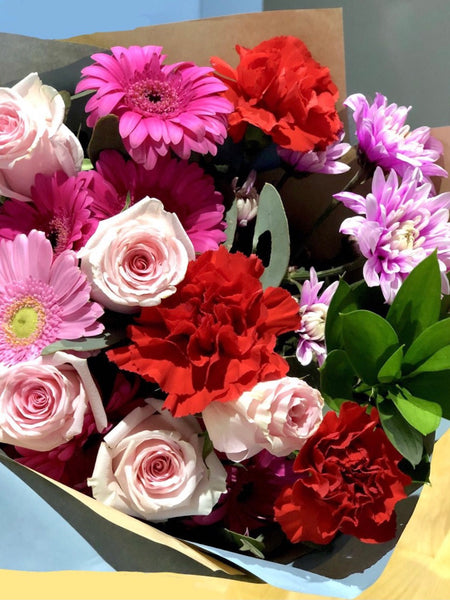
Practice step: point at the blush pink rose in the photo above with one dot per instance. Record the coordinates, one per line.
(277, 416)
(137, 257)
(33, 137)
(151, 466)
(43, 402)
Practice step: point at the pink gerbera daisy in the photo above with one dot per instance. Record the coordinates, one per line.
(183, 188)
(160, 107)
(43, 298)
(59, 207)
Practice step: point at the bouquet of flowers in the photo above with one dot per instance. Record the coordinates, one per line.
(177, 341)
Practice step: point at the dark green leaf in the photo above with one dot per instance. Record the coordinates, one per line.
(433, 386)
(423, 415)
(417, 303)
(336, 379)
(392, 368)
(272, 218)
(105, 136)
(246, 543)
(407, 440)
(433, 338)
(369, 341)
(440, 361)
(343, 301)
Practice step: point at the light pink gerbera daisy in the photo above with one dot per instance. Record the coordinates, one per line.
(160, 107)
(398, 224)
(183, 188)
(320, 161)
(313, 312)
(59, 206)
(43, 298)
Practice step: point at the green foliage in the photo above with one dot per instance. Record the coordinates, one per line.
(399, 362)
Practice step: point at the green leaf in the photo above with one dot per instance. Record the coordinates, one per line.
(392, 368)
(272, 218)
(423, 415)
(433, 386)
(231, 219)
(86, 165)
(97, 342)
(246, 543)
(417, 303)
(433, 338)
(105, 136)
(439, 361)
(407, 440)
(343, 301)
(369, 341)
(336, 379)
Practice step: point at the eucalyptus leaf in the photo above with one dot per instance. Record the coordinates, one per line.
(417, 303)
(407, 440)
(271, 218)
(369, 341)
(231, 220)
(423, 415)
(84, 344)
(432, 339)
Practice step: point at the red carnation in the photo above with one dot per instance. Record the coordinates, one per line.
(279, 88)
(348, 481)
(214, 338)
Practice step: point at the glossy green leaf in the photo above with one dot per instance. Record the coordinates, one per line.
(439, 361)
(272, 218)
(336, 379)
(432, 339)
(423, 415)
(407, 440)
(343, 301)
(369, 341)
(392, 368)
(417, 303)
(434, 386)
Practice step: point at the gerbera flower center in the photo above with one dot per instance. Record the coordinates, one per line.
(152, 96)
(24, 321)
(58, 234)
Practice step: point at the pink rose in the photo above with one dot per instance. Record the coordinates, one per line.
(137, 257)
(33, 136)
(150, 466)
(43, 401)
(278, 416)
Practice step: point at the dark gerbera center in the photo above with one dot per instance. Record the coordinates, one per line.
(153, 97)
(58, 233)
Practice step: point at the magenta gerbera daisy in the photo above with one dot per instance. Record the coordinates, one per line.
(160, 107)
(385, 139)
(59, 207)
(398, 225)
(183, 188)
(43, 298)
(313, 312)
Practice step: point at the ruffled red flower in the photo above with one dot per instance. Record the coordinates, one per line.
(279, 88)
(348, 481)
(215, 337)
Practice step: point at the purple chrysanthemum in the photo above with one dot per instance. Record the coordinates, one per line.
(325, 161)
(43, 298)
(183, 188)
(313, 311)
(160, 107)
(384, 138)
(60, 207)
(399, 225)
